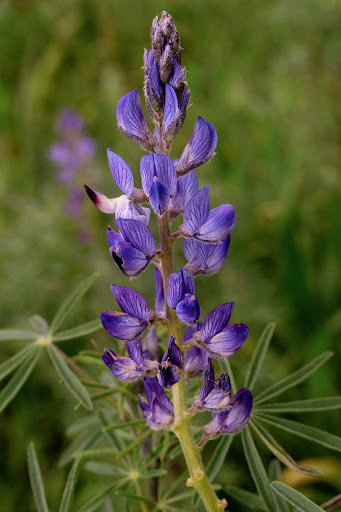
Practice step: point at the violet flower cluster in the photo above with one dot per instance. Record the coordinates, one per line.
(170, 188)
(73, 155)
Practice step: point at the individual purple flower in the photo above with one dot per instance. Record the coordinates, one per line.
(158, 180)
(169, 371)
(200, 147)
(196, 358)
(187, 186)
(160, 303)
(158, 409)
(134, 318)
(121, 206)
(152, 86)
(180, 296)
(130, 369)
(121, 172)
(233, 420)
(132, 122)
(204, 258)
(132, 248)
(205, 225)
(214, 395)
(216, 337)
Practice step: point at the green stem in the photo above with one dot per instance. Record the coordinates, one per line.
(182, 419)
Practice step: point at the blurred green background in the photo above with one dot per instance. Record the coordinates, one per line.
(267, 74)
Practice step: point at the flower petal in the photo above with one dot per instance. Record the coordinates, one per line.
(126, 209)
(219, 223)
(228, 341)
(239, 414)
(122, 325)
(197, 211)
(102, 202)
(160, 304)
(187, 187)
(132, 122)
(131, 302)
(121, 172)
(138, 235)
(159, 196)
(153, 87)
(174, 289)
(216, 320)
(196, 360)
(188, 309)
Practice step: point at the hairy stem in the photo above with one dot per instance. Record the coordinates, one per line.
(182, 419)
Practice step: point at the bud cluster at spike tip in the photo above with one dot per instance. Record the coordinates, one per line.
(169, 188)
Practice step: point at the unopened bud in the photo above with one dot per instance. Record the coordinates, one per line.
(166, 64)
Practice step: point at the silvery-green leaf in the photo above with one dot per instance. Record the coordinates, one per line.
(257, 471)
(70, 302)
(247, 498)
(93, 503)
(274, 473)
(36, 479)
(69, 378)
(39, 324)
(258, 356)
(293, 379)
(311, 405)
(279, 452)
(79, 331)
(101, 468)
(174, 485)
(82, 442)
(80, 425)
(70, 487)
(314, 434)
(13, 362)
(105, 424)
(295, 498)
(17, 335)
(13, 387)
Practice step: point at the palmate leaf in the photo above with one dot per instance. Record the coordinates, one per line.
(70, 487)
(247, 498)
(279, 452)
(257, 471)
(69, 378)
(18, 380)
(112, 436)
(299, 429)
(258, 356)
(135, 497)
(93, 503)
(78, 332)
(311, 405)
(17, 335)
(274, 472)
(293, 379)
(70, 302)
(36, 479)
(39, 324)
(102, 468)
(13, 362)
(84, 441)
(295, 498)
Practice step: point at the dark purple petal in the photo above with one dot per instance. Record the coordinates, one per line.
(200, 147)
(228, 341)
(131, 261)
(102, 202)
(213, 428)
(178, 75)
(121, 172)
(159, 196)
(216, 320)
(138, 235)
(153, 88)
(188, 309)
(188, 280)
(169, 371)
(175, 289)
(134, 349)
(171, 121)
(187, 187)
(131, 302)
(219, 223)
(121, 325)
(122, 368)
(191, 331)
(183, 105)
(113, 237)
(196, 360)
(160, 303)
(212, 256)
(160, 166)
(208, 381)
(173, 354)
(132, 122)
(219, 397)
(197, 210)
(158, 411)
(239, 414)
(168, 376)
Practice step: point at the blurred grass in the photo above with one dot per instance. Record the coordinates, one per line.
(267, 74)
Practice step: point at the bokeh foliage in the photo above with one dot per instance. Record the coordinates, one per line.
(267, 74)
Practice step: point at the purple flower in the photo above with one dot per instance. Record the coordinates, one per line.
(180, 296)
(203, 224)
(121, 206)
(219, 339)
(130, 369)
(132, 122)
(214, 395)
(187, 186)
(134, 319)
(121, 172)
(158, 180)
(204, 258)
(160, 303)
(233, 420)
(132, 248)
(200, 147)
(158, 409)
(153, 90)
(151, 343)
(69, 121)
(169, 371)
(196, 358)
